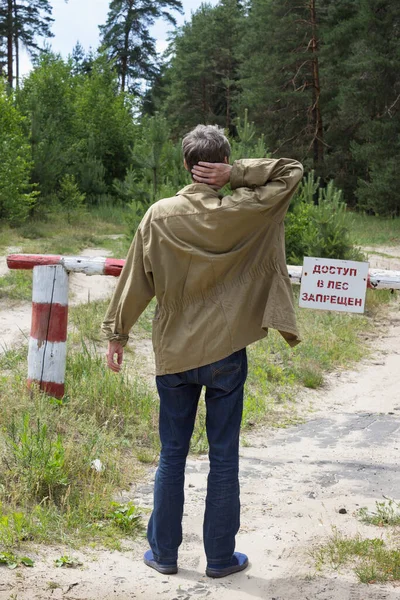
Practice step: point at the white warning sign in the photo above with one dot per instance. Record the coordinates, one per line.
(330, 284)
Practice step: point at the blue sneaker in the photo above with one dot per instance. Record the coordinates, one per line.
(164, 568)
(237, 563)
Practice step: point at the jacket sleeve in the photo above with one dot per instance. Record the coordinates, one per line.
(133, 293)
(271, 182)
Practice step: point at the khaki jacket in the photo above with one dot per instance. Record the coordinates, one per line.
(216, 265)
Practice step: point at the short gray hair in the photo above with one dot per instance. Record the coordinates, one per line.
(205, 143)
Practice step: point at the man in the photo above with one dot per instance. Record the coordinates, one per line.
(218, 270)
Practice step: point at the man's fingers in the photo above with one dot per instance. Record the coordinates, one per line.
(203, 171)
(209, 180)
(208, 165)
(120, 357)
(113, 365)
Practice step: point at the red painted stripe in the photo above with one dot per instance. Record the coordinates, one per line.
(113, 266)
(28, 261)
(49, 321)
(56, 390)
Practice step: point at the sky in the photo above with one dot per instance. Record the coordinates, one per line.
(78, 20)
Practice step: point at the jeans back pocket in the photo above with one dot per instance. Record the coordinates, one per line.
(227, 373)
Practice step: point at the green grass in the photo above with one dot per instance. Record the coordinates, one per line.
(16, 285)
(374, 231)
(372, 560)
(55, 235)
(101, 227)
(387, 513)
(47, 448)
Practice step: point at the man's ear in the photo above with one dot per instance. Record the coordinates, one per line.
(226, 160)
(185, 164)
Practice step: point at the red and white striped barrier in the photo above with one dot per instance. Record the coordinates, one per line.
(47, 345)
(378, 279)
(48, 342)
(77, 264)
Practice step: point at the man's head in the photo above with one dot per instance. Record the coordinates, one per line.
(205, 143)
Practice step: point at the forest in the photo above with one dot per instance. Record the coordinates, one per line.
(316, 80)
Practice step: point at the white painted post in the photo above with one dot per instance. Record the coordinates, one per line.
(48, 342)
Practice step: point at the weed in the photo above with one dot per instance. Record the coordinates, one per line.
(387, 513)
(126, 517)
(7, 558)
(67, 561)
(310, 375)
(35, 459)
(146, 456)
(53, 585)
(371, 559)
(12, 561)
(87, 319)
(11, 357)
(14, 528)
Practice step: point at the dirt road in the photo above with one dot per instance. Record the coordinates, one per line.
(15, 316)
(294, 481)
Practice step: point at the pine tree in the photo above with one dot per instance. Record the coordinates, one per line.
(361, 61)
(127, 40)
(370, 97)
(21, 23)
(203, 72)
(70, 197)
(339, 30)
(281, 76)
(82, 61)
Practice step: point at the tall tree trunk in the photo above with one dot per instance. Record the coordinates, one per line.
(10, 42)
(318, 146)
(228, 107)
(124, 67)
(16, 44)
(204, 102)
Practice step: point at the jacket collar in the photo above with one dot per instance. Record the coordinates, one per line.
(199, 188)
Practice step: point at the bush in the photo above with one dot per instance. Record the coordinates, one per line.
(318, 229)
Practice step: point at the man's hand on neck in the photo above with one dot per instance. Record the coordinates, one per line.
(216, 175)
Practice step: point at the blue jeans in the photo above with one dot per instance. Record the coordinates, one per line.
(179, 397)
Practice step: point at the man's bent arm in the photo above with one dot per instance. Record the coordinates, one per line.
(135, 289)
(274, 182)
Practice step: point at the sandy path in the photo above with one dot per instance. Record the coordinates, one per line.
(15, 317)
(383, 257)
(294, 481)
